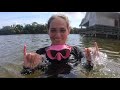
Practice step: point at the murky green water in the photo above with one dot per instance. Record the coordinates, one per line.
(11, 54)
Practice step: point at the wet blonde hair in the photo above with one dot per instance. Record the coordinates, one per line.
(58, 15)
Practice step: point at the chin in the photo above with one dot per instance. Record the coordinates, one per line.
(58, 43)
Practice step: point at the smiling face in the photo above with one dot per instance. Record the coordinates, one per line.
(58, 31)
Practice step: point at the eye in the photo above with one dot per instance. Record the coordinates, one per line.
(63, 30)
(53, 30)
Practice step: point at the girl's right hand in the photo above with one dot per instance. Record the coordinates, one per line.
(31, 60)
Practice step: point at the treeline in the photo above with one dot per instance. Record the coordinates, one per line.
(33, 28)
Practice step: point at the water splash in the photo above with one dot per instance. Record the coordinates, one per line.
(99, 60)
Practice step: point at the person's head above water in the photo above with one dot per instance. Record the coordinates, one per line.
(58, 29)
(58, 52)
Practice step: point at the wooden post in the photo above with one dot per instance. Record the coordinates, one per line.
(118, 37)
(95, 34)
(106, 35)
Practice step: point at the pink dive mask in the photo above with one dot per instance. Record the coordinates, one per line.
(58, 52)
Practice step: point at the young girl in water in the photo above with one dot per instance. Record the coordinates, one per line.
(58, 58)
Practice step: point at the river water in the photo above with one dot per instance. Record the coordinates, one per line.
(11, 54)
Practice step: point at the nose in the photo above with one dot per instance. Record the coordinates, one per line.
(58, 34)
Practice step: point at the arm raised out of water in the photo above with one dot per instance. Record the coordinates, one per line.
(94, 50)
(31, 60)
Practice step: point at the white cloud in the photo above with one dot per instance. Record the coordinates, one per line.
(74, 17)
(39, 17)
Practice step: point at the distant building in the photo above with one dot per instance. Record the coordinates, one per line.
(101, 18)
(101, 24)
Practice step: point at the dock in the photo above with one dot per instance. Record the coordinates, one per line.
(101, 31)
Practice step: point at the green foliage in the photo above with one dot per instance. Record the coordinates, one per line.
(33, 28)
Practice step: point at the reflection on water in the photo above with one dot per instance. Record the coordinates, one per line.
(11, 54)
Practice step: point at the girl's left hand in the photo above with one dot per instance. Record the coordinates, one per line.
(93, 50)
(87, 54)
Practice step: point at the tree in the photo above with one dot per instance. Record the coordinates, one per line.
(19, 29)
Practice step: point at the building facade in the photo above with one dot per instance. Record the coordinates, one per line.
(104, 24)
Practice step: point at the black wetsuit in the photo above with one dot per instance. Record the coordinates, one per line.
(53, 68)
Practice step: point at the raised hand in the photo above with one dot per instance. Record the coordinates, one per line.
(88, 54)
(31, 60)
(96, 49)
(92, 52)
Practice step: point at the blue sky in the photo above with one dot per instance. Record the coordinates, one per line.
(10, 18)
